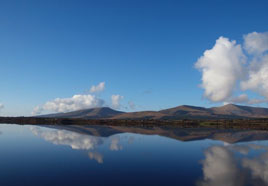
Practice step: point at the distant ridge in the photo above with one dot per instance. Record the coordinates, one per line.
(229, 111)
(93, 113)
(243, 111)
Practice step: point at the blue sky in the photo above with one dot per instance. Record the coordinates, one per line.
(144, 50)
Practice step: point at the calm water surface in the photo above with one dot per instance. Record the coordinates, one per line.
(93, 155)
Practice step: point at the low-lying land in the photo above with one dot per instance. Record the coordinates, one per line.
(261, 124)
(228, 116)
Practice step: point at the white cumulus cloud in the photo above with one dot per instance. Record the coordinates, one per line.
(79, 102)
(222, 67)
(73, 103)
(116, 101)
(97, 88)
(227, 69)
(256, 42)
(258, 77)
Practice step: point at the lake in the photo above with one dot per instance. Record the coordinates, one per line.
(95, 155)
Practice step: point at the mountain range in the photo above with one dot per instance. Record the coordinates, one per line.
(229, 111)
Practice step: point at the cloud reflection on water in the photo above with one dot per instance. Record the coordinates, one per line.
(258, 166)
(219, 167)
(223, 165)
(115, 144)
(232, 165)
(96, 156)
(72, 139)
(78, 141)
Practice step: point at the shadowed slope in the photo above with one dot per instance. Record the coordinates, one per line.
(186, 111)
(94, 113)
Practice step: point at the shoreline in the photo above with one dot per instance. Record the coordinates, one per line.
(260, 124)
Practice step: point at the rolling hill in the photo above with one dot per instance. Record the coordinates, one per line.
(181, 112)
(93, 113)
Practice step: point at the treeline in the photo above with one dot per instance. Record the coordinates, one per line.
(74, 121)
(192, 123)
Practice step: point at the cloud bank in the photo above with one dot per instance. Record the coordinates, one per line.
(76, 102)
(229, 69)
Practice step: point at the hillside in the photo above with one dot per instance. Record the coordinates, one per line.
(242, 111)
(181, 112)
(94, 113)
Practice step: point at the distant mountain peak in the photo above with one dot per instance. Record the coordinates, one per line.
(90, 113)
(230, 105)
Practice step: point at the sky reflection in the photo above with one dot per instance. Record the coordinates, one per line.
(94, 155)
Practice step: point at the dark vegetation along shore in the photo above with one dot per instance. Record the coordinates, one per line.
(260, 124)
(227, 116)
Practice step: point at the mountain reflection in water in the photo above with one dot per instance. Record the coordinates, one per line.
(226, 164)
(71, 132)
(112, 155)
